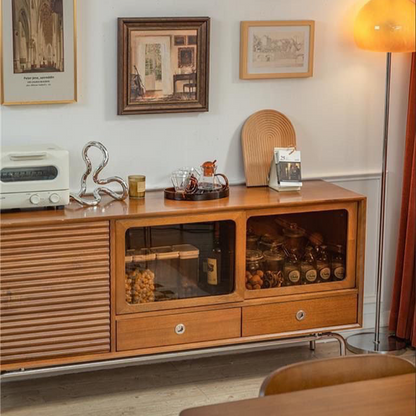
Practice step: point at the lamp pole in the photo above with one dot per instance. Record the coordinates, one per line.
(369, 342)
(382, 203)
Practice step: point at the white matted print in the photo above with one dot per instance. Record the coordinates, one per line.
(277, 49)
(38, 51)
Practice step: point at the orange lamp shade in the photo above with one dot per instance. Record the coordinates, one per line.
(386, 26)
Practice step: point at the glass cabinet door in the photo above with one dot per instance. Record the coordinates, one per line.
(166, 263)
(301, 251)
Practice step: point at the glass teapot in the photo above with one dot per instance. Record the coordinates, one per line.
(208, 181)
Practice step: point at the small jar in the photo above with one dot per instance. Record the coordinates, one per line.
(252, 241)
(323, 265)
(254, 270)
(140, 276)
(267, 242)
(137, 186)
(294, 237)
(273, 269)
(338, 264)
(292, 269)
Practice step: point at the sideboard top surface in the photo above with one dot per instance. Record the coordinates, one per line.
(154, 205)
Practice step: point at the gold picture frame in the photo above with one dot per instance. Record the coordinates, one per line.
(45, 74)
(277, 49)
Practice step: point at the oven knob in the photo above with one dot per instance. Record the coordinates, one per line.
(34, 199)
(54, 198)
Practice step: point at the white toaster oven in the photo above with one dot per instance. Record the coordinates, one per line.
(34, 176)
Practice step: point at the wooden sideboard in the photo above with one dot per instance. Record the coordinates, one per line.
(63, 277)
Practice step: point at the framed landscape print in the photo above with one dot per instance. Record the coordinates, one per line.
(38, 52)
(277, 49)
(163, 65)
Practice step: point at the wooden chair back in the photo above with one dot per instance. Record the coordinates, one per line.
(333, 371)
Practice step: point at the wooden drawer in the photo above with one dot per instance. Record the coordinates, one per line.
(145, 332)
(288, 316)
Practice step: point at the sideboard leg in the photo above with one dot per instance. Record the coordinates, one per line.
(339, 338)
(312, 345)
(342, 344)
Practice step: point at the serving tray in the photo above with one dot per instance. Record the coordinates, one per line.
(218, 193)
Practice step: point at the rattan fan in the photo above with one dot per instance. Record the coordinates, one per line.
(262, 132)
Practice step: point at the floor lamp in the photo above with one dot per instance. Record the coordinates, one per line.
(383, 26)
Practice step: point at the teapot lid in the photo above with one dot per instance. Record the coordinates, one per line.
(209, 168)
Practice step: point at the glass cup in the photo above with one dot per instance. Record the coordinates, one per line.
(181, 178)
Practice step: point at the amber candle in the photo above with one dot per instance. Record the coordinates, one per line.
(137, 186)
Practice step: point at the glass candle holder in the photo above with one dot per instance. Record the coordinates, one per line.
(137, 186)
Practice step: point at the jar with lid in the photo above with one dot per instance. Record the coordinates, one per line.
(308, 270)
(268, 242)
(323, 265)
(252, 241)
(294, 237)
(254, 269)
(140, 276)
(338, 264)
(292, 268)
(273, 268)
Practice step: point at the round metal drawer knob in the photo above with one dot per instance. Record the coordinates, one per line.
(180, 329)
(300, 315)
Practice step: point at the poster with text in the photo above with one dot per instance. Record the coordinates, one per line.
(38, 52)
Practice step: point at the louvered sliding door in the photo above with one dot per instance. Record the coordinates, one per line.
(55, 291)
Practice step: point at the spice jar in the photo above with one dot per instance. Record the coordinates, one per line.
(323, 265)
(254, 269)
(292, 268)
(294, 237)
(273, 269)
(338, 264)
(308, 270)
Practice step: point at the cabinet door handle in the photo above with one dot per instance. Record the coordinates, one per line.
(180, 329)
(300, 315)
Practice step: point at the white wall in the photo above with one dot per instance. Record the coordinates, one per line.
(337, 114)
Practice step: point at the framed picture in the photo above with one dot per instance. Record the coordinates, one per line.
(186, 57)
(180, 40)
(191, 40)
(156, 73)
(38, 52)
(277, 49)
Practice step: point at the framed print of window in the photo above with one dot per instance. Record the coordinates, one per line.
(276, 49)
(163, 65)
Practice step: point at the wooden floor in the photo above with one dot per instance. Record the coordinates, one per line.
(157, 389)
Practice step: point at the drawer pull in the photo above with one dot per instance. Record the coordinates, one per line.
(180, 329)
(300, 315)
